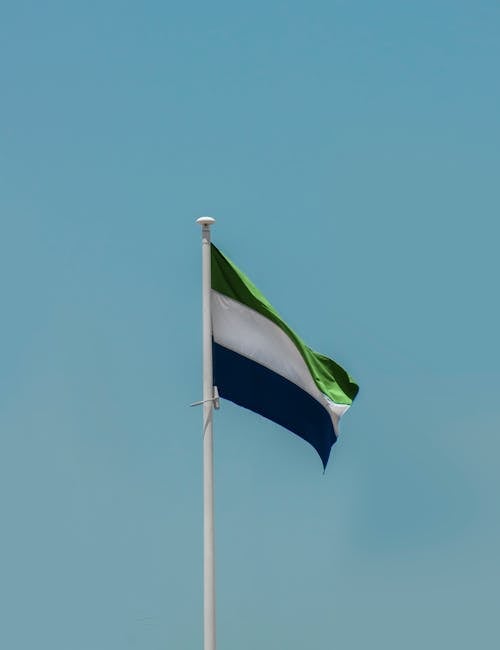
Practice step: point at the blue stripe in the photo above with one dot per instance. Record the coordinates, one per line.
(261, 390)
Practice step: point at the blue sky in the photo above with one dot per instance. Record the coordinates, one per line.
(350, 153)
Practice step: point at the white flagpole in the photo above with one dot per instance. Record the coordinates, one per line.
(208, 445)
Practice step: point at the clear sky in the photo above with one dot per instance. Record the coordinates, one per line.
(350, 152)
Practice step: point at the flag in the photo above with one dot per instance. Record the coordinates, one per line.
(261, 364)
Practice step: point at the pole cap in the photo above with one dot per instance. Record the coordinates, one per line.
(205, 221)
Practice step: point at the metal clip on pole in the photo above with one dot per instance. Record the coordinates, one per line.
(215, 399)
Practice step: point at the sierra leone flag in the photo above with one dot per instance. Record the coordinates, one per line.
(261, 364)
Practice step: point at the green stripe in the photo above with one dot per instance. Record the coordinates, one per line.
(330, 378)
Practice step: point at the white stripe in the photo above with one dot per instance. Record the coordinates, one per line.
(243, 330)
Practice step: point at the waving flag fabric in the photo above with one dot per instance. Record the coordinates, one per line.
(262, 365)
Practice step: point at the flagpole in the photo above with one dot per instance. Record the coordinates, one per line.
(208, 444)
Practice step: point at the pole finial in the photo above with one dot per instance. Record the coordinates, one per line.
(205, 221)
